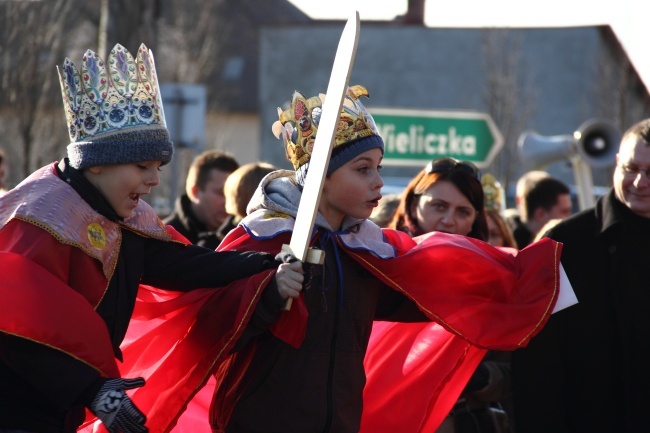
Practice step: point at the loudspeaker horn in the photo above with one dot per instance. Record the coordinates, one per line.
(537, 151)
(596, 141)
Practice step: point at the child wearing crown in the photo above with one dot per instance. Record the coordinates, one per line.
(77, 245)
(303, 369)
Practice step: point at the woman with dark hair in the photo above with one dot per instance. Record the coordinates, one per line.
(447, 196)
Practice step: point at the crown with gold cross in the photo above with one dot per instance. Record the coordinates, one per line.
(493, 192)
(110, 96)
(298, 125)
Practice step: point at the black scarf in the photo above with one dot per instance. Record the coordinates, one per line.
(87, 190)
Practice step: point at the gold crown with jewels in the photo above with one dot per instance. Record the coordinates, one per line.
(493, 192)
(106, 97)
(298, 124)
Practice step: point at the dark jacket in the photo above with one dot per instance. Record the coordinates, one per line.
(44, 390)
(523, 236)
(290, 382)
(587, 370)
(187, 224)
(226, 226)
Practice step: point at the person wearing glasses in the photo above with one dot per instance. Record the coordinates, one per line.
(587, 370)
(447, 196)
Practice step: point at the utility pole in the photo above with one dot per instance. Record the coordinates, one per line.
(102, 33)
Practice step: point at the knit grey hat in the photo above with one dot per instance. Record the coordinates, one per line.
(349, 151)
(114, 110)
(145, 143)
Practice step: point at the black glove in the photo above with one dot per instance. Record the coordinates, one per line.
(116, 410)
(285, 257)
(310, 269)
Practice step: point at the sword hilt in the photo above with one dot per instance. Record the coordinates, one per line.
(314, 256)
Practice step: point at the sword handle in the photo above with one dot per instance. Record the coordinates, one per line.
(314, 256)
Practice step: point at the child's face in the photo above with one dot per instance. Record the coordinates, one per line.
(122, 185)
(354, 189)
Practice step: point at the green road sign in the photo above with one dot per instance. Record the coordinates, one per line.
(415, 137)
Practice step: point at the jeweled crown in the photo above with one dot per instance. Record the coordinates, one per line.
(298, 124)
(111, 96)
(493, 192)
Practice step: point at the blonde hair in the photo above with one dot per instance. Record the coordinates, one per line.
(241, 184)
(504, 229)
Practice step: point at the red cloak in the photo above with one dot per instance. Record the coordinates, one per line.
(479, 296)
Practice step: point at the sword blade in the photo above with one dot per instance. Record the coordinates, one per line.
(336, 90)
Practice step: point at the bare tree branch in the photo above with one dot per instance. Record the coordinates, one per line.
(33, 36)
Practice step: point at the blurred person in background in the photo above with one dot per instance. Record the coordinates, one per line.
(499, 233)
(238, 190)
(542, 198)
(525, 182)
(199, 212)
(383, 214)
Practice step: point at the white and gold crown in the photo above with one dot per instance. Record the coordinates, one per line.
(111, 96)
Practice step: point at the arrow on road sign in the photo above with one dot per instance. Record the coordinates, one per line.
(415, 137)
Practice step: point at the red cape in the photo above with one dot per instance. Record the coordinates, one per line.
(479, 296)
(63, 316)
(176, 341)
(55, 264)
(492, 298)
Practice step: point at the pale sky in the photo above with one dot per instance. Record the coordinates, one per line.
(628, 18)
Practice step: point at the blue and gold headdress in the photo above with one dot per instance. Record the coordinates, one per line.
(356, 131)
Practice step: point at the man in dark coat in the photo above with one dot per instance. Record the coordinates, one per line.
(200, 212)
(586, 371)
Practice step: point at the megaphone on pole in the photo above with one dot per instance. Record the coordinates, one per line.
(594, 144)
(598, 141)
